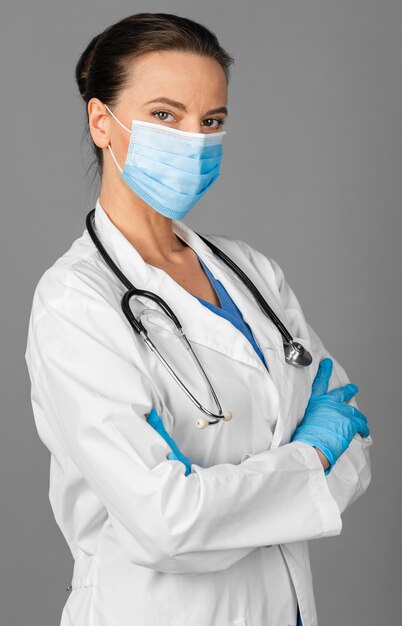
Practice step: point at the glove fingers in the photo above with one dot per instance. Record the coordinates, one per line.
(364, 431)
(320, 382)
(360, 421)
(342, 394)
(183, 459)
(155, 421)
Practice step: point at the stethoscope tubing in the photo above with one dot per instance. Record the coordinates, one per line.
(257, 294)
(137, 325)
(292, 349)
(140, 329)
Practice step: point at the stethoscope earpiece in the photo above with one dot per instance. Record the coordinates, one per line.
(203, 423)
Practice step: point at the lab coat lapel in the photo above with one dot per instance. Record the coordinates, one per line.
(290, 382)
(199, 323)
(230, 340)
(210, 329)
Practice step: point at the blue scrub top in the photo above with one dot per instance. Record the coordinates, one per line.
(229, 310)
(232, 313)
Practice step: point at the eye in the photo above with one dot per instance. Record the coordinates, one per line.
(220, 122)
(159, 113)
(163, 113)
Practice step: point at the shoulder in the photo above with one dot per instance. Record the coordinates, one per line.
(75, 277)
(76, 297)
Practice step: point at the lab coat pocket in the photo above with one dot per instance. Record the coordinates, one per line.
(239, 622)
(78, 610)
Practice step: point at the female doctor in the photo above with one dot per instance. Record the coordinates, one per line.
(176, 514)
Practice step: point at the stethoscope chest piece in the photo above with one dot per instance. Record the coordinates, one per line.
(296, 354)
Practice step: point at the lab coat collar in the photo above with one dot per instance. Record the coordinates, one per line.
(200, 324)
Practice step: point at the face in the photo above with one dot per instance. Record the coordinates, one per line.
(175, 89)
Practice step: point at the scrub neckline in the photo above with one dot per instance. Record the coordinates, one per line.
(210, 276)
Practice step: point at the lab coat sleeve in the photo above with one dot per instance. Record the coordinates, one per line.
(351, 474)
(90, 389)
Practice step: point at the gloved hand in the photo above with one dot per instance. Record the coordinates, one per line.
(328, 424)
(156, 422)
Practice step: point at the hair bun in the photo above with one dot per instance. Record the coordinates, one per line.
(83, 65)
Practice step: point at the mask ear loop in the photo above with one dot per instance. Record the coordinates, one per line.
(109, 146)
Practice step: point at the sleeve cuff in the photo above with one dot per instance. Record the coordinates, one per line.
(326, 504)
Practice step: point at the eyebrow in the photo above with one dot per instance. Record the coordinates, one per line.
(182, 107)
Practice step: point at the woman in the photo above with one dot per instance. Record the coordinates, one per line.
(169, 523)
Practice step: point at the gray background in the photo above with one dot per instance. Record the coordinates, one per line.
(311, 177)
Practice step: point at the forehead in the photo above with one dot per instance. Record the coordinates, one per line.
(175, 73)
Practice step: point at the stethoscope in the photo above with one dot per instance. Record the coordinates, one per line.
(295, 353)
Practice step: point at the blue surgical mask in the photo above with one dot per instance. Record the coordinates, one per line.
(170, 169)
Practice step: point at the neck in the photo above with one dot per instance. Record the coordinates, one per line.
(145, 228)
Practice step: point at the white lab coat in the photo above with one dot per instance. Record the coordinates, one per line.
(226, 545)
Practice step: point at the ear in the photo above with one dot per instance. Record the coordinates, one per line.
(99, 122)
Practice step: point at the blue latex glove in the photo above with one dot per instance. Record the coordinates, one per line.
(155, 421)
(328, 423)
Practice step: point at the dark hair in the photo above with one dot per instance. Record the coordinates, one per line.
(102, 69)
